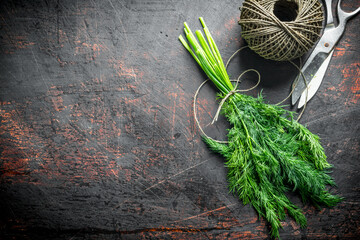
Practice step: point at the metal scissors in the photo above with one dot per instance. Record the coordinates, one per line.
(315, 66)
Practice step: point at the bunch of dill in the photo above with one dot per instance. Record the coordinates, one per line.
(268, 153)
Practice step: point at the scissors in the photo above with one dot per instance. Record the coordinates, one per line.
(315, 66)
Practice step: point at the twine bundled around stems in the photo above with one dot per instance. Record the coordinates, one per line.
(279, 40)
(236, 90)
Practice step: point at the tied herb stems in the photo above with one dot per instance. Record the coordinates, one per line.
(208, 57)
(268, 153)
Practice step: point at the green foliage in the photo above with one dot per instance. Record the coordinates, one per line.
(268, 153)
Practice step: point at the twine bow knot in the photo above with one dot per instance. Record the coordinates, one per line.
(235, 90)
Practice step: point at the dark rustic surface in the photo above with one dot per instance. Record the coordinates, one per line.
(97, 137)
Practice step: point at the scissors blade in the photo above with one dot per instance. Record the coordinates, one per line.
(315, 82)
(316, 58)
(309, 72)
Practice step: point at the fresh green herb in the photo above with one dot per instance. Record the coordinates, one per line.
(268, 152)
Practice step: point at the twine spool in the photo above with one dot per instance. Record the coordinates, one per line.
(281, 30)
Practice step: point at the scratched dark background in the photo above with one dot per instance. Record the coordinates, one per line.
(97, 134)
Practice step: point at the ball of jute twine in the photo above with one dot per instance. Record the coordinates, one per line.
(276, 39)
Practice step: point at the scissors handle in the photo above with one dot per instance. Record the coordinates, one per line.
(344, 16)
(329, 16)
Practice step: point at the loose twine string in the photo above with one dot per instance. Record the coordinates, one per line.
(235, 90)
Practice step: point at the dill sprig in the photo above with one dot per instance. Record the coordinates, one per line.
(268, 153)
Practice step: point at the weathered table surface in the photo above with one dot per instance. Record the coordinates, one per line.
(97, 134)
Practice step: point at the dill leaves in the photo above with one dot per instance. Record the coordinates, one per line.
(268, 153)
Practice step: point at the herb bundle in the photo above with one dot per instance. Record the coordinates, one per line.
(268, 153)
